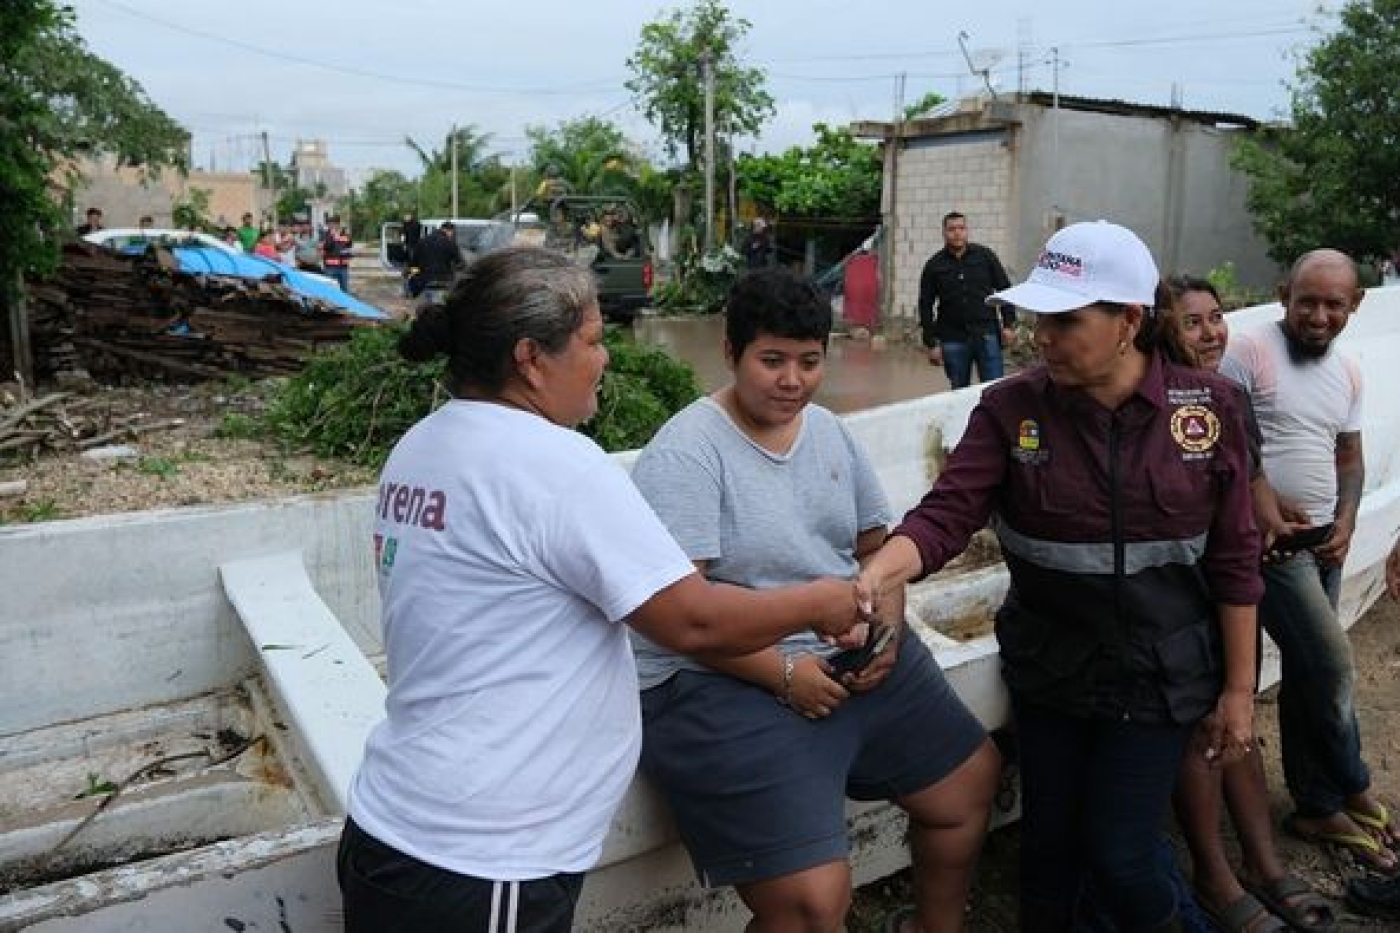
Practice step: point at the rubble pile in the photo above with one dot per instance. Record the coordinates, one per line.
(62, 421)
(123, 319)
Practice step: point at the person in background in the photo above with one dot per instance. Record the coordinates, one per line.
(757, 754)
(266, 246)
(412, 235)
(1307, 396)
(1117, 483)
(248, 233)
(439, 260)
(963, 331)
(145, 223)
(308, 248)
(286, 244)
(336, 252)
(758, 246)
(1264, 885)
(94, 222)
(512, 553)
(230, 236)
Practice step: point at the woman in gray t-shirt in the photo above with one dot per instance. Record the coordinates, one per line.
(758, 754)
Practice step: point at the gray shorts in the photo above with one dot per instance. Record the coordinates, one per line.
(759, 792)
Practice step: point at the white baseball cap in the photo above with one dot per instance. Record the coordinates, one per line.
(1085, 263)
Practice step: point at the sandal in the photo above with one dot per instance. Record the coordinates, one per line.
(1245, 914)
(1290, 899)
(1375, 897)
(1377, 821)
(1363, 847)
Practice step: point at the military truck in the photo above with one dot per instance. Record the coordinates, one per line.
(606, 233)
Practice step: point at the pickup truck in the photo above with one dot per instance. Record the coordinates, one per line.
(604, 233)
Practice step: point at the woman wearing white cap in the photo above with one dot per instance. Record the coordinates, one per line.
(1118, 485)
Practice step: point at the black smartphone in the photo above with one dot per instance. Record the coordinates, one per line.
(1304, 540)
(855, 660)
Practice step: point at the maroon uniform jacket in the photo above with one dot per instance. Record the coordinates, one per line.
(1122, 530)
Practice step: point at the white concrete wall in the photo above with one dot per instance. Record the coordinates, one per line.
(1168, 181)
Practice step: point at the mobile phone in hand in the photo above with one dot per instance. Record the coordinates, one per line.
(855, 660)
(1303, 540)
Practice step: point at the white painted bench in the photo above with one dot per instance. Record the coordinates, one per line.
(325, 687)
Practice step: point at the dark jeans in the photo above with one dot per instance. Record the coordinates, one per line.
(341, 274)
(959, 357)
(1316, 710)
(1096, 793)
(383, 890)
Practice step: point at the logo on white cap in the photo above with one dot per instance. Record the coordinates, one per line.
(1086, 263)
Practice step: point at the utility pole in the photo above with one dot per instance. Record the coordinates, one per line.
(889, 212)
(269, 180)
(707, 66)
(1055, 131)
(454, 171)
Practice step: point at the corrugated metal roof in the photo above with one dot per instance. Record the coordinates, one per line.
(1130, 109)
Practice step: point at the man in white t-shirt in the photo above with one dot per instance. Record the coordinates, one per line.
(1307, 396)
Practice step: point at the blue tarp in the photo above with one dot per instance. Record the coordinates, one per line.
(218, 262)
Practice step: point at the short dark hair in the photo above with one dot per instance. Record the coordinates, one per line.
(774, 302)
(94, 210)
(952, 215)
(448, 225)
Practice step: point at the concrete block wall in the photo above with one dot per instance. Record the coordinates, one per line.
(970, 174)
(126, 194)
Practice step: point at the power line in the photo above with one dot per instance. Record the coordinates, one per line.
(359, 72)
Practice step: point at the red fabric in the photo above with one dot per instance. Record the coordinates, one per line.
(862, 289)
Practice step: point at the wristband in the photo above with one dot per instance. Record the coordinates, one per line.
(785, 697)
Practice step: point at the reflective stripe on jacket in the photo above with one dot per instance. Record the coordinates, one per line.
(1122, 531)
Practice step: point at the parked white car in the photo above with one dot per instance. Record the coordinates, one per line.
(133, 240)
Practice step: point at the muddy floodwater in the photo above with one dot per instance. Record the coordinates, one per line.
(859, 373)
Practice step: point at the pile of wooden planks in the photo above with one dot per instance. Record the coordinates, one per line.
(132, 319)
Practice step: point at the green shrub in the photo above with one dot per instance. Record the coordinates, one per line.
(355, 401)
(236, 426)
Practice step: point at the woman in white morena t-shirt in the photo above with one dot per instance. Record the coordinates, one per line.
(509, 549)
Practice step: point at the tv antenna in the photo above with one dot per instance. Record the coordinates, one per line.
(985, 72)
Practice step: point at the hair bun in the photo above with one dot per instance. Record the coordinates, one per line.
(430, 335)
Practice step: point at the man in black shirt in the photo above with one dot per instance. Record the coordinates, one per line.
(438, 260)
(963, 331)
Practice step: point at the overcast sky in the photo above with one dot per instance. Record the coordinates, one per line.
(362, 75)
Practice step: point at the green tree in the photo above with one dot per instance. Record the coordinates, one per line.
(483, 182)
(923, 105)
(59, 101)
(837, 176)
(666, 78)
(385, 196)
(590, 154)
(1331, 178)
(192, 211)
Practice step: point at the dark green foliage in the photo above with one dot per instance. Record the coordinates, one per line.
(356, 401)
(59, 101)
(666, 83)
(838, 176)
(1330, 178)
